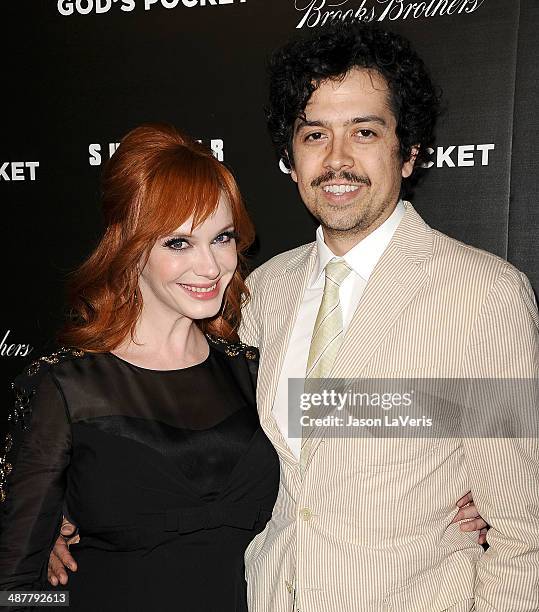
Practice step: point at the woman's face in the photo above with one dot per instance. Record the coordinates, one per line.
(188, 271)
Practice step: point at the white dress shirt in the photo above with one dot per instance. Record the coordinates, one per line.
(362, 259)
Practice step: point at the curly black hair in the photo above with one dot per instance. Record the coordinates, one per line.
(299, 67)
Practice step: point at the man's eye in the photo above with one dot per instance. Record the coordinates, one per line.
(314, 136)
(177, 244)
(365, 133)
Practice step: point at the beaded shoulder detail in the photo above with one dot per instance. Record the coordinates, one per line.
(25, 384)
(59, 355)
(233, 349)
(20, 414)
(5, 466)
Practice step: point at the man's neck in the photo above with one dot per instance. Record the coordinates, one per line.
(340, 242)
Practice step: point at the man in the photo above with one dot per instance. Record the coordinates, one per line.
(366, 524)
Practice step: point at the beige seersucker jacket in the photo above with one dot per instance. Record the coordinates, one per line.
(367, 526)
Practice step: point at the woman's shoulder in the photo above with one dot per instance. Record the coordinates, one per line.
(43, 368)
(243, 358)
(36, 385)
(233, 349)
(48, 362)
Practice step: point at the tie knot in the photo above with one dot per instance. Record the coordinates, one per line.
(337, 270)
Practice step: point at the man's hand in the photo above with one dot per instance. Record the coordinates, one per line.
(471, 517)
(60, 557)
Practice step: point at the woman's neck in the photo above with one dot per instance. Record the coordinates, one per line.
(161, 344)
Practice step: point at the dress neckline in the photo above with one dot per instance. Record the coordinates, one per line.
(143, 369)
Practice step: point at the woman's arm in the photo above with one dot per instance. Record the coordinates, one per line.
(34, 464)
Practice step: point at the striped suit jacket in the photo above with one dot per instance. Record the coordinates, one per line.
(366, 526)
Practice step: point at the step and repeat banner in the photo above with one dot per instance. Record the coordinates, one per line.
(81, 73)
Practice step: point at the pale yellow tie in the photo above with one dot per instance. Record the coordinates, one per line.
(327, 335)
(328, 329)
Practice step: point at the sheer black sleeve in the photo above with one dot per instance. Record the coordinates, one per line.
(32, 481)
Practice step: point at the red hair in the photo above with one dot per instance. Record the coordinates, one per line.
(156, 180)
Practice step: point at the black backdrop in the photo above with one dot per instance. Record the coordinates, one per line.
(78, 74)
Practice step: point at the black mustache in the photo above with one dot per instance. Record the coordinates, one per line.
(344, 175)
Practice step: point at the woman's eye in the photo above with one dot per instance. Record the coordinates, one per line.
(224, 237)
(177, 244)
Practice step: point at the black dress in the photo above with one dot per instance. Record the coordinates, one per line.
(167, 474)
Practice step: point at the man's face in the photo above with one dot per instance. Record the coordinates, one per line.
(346, 156)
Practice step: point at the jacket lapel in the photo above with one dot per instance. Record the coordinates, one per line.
(395, 281)
(286, 294)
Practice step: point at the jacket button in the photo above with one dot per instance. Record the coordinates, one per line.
(306, 514)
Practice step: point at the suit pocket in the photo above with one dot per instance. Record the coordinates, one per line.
(447, 588)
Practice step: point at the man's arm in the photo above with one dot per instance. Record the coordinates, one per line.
(504, 471)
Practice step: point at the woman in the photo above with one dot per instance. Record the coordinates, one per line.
(146, 433)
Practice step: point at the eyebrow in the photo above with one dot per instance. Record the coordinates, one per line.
(354, 121)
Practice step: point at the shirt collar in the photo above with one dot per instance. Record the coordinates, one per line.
(363, 257)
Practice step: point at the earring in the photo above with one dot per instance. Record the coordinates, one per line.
(283, 166)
